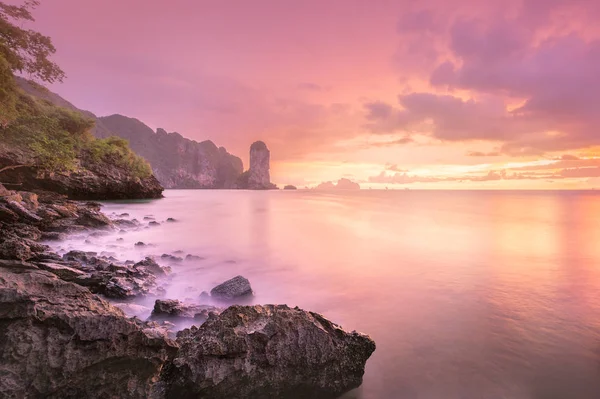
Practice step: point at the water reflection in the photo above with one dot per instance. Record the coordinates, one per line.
(467, 294)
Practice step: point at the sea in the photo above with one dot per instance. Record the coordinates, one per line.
(467, 294)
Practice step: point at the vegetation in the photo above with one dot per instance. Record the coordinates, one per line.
(54, 138)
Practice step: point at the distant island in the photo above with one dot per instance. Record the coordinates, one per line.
(342, 184)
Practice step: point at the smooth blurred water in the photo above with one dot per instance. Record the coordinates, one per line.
(482, 294)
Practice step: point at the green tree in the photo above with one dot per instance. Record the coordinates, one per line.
(25, 50)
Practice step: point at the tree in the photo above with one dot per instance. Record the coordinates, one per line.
(26, 50)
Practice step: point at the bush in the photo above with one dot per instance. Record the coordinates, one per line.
(116, 150)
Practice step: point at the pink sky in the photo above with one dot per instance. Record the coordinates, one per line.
(427, 94)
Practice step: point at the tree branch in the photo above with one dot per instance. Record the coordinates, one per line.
(13, 167)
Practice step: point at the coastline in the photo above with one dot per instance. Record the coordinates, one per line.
(71, 292)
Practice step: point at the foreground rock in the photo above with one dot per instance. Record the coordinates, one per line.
(60, 341)
(269, 351)
(236, 287)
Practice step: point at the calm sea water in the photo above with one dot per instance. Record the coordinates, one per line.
(467, 294)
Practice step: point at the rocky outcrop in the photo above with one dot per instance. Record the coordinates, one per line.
(269, 351)
(237, 287)
(177, 162)
(57, 340)
(257, 177)
(92, 180)
(290, 187)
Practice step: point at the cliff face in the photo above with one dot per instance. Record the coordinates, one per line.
(176, 161)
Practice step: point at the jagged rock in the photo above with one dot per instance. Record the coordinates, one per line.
(81, 256)
(93, 218)
(60, 341)
(15, 249)
(236, 287)
(171, 220)
(53, 236)
(7, 216)
(20, 210)
(126, 223)
(151, 266)
(30, 199)
(177, 309)
(64, 272)
(269, 351)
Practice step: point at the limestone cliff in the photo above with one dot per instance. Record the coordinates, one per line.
(257, 177)
(177, 162)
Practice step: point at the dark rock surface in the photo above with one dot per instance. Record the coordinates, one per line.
(236, 287)
(57, 340)
(290, 187)
(172, 308)
(269, 351)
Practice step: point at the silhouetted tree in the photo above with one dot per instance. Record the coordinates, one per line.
(25, 50)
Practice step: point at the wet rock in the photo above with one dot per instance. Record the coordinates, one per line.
(64, 272)
(53, 236)
(178, 252)
(204, 296)
(60, 341)
(22, 212)
(236, 287)
(30, 199)
(177, 309)
(81, 256)
(171, 258)
(133, 309)
(153, 223)
(171, 220)
(126, 223)
(151, 266)
(15, 249)
(140, 244)
(120, 239)
(269, 351)
(149, 218)
(93, 218)
(124, 215)
(190, 257)
(7, 216)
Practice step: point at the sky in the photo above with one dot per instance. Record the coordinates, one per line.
(418, 94)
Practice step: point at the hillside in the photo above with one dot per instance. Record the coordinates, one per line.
(48, 145)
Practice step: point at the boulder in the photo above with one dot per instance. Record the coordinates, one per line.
(64, 272)
(269, 351)
(236, 287)
(60, 341)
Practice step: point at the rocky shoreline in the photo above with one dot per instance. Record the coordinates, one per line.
(61, 338)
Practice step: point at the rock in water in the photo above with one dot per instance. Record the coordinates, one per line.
(237, 287)
(260, 156)
(269, 351)
(57, 340)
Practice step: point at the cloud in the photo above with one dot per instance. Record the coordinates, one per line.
(483, 154)
(310, 86)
